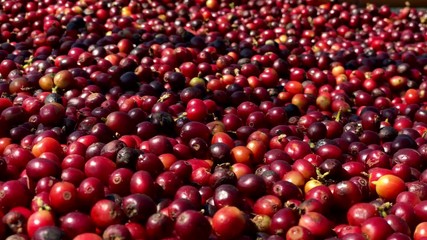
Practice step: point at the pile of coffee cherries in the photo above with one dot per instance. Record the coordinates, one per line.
(212, 119)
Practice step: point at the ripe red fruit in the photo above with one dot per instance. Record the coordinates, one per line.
(116, 231)
(420, 210)
(89, 192)
(105, 213)
(14, 193)
(282, 221)
(297, 149)
(316, 223)
(420, 231)
(228, 222)
(345, 194)
(267, 205)
(136, 230)
(159, 225)
(87, 236)
(196, 110)
(47, 144)
(120, 122)
(192, 224)
(321, 193)
(39, 219)
(75, 223)
(269, 77)
(99, 167)
(63, 197)
(360, 212)
(376, 228)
